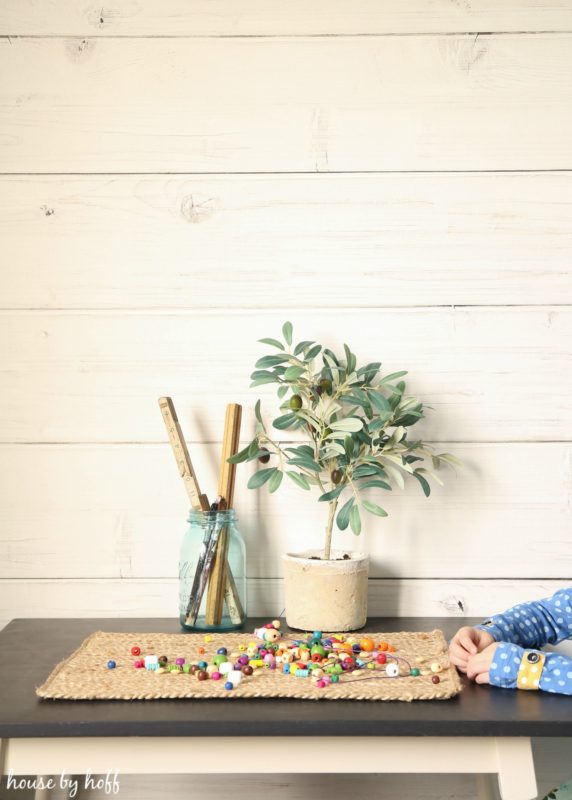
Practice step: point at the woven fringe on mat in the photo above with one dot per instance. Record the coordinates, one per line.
(84, 674)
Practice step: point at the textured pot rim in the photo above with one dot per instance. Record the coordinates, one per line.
(305, 557)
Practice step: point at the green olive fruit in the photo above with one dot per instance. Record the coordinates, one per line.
(326, 384)
(295, 402)
(265, 457)
(336, 476)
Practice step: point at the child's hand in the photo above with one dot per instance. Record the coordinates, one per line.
(465, 643)
(479, 665)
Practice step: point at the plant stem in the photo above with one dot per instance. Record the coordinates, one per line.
(329, 526)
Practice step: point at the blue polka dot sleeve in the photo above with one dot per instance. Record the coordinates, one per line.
(521, 631)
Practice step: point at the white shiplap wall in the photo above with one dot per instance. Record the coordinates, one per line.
(178, 178)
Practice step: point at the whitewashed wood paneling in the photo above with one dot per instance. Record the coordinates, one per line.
(286, 104)
(285, 240)
(296, 17)
(489, 373)
(119, 511)
(158, 597)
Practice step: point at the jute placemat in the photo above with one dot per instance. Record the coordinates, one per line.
(84, 674)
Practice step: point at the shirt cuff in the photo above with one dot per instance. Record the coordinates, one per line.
(491, 627)
(513, 667)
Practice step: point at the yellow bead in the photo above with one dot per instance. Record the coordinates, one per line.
(436, 667)
(242, 647)
(208, 638)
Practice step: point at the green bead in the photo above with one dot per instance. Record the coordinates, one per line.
(186, 668)
(335, 678)
(371, 665)
(317, 649)
(337, 669)
(218, 660)
(415, 672)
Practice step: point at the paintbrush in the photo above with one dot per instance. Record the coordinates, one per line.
(203, 573)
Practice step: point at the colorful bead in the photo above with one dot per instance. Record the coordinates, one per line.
(228, 685)
(202, 664)
(382, 645)
(392, 669)
(111, 664)
(247, 669)
(202, 675)
(321, 684)
(201, 650)
(435, 679)
(222, 651)
(216, 676)
(334, 678)
(286, 669)
(302, 673)
(151, 661)
(436, 666)
(367, 644)
(415, 672)
(139, 663)
(381, 658)
(208, 638)
(135, 651)
(180, 661)
(162, 659)
(235, 677)
(186, 668)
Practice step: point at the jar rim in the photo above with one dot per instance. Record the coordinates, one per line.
(197, 514)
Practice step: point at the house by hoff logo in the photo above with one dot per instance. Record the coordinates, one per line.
(108, 783)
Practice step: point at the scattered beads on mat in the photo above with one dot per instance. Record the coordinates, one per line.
(331, 659)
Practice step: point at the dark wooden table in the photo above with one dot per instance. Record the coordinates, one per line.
(483, 730)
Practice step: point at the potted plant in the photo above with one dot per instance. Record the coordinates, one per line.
(356, 427)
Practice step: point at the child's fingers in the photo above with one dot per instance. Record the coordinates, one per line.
(458, 655)
(475, 665)
(467, 642)
(482, 677)
(458, 661)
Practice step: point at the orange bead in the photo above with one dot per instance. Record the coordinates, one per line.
(390, 648)
(367, 645)
(201, 650)
(382, 646)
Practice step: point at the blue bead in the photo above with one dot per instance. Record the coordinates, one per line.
(356, 648)
(222, 651)
(317, 634)
(286, 668)
(203, 664)
(228, 685)
(111, 665)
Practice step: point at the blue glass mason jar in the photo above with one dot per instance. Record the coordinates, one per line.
(203, 526)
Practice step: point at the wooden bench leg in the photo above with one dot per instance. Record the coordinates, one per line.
(517, 779)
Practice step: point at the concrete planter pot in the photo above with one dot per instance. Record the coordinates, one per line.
(325, 595)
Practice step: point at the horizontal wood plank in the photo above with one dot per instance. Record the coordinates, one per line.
(285, 240)
(119, 511)
(296, 17)
(137, 598)
(495, 374)
(303, 104)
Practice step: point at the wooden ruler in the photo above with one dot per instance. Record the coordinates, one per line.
(198, 501)
(218, 582)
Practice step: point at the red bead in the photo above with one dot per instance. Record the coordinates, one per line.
(381, 658)
(436, 679)
(135, 651)
(138, 664)
(247, 670)
(202, 675)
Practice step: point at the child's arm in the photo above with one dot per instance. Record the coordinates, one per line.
(512, 667)
(534, 624)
